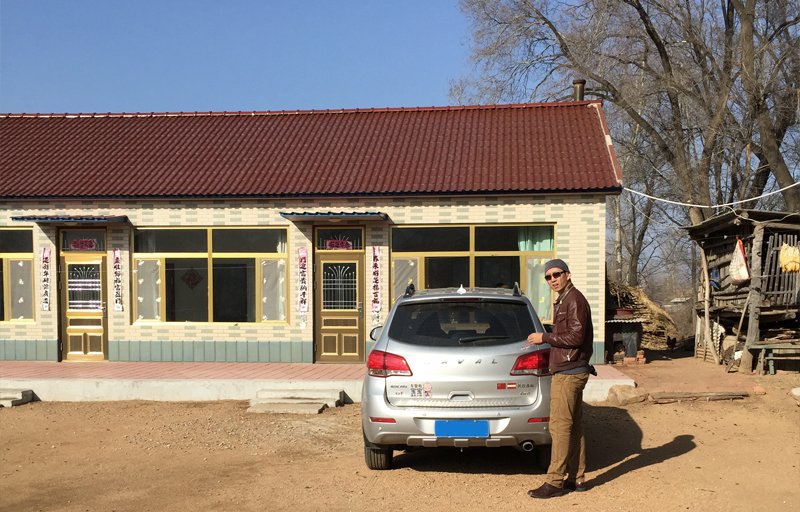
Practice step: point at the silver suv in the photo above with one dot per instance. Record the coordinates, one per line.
(452, 368)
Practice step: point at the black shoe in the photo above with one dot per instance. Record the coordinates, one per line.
(571, 485)
(546, 491)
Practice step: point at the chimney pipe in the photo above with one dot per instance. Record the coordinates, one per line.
(577, 89)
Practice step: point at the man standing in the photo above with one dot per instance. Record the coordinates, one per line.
(571, 342)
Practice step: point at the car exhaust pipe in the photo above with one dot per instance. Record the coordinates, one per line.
(527, 446)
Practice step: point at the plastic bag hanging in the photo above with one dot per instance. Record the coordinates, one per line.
(739, 272)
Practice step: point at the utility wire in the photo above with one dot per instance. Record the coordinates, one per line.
(705, 206)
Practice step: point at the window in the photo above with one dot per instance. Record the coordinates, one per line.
(210, 275)
(430, 239)
(83, 240)
(338, 239)
(404, 272)
(474, 256)
(451, 323)
(16, 274)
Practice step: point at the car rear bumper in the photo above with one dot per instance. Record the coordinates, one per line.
(386, 425)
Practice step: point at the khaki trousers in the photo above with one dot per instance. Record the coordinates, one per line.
(568, 456)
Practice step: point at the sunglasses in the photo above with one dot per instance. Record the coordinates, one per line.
(554, 275)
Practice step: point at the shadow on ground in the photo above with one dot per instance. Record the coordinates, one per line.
(612, 436)
(614, 444)
(667, 355)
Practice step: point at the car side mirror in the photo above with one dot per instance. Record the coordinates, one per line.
(375, 333)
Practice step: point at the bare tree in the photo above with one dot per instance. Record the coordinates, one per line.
(702, 97)
(711, 88)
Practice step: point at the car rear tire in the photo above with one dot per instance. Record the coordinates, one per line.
(378, 458)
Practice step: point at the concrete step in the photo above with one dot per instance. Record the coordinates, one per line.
(297, 399)
(12, 397)
(330, 396)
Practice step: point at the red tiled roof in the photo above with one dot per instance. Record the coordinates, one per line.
(448, 150)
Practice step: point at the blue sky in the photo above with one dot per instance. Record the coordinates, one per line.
(201, 55)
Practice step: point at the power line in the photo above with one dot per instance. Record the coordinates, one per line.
(705, 206)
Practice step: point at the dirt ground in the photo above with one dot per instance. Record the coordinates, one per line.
(213, 456)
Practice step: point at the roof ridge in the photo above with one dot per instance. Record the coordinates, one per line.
(253, 113)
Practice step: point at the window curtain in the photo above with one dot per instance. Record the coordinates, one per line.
(538, 290)
(21, 287)
(535, 238)
(148, 289)
(281, 248)
(273, 289)
(405, 271)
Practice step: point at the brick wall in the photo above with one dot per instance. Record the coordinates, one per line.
(579, 231)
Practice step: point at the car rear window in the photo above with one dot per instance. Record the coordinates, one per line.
(448, 323)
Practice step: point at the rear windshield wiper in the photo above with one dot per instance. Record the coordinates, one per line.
(470, 339)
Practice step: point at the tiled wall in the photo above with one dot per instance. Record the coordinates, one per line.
(580, 240)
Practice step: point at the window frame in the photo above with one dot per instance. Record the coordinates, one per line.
(5, 287)
(420, 257)
(210, 256)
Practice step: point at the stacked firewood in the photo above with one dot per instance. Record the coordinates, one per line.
(659, 331)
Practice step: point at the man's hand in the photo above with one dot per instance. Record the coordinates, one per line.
(535, 338)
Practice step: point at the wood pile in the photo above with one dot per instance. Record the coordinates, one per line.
(659, 331)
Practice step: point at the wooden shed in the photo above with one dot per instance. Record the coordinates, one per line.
(759, 313)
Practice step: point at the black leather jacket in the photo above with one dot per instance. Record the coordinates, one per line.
(573, 334)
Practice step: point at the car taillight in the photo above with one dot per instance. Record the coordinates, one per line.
(386, 364)
(532, 363)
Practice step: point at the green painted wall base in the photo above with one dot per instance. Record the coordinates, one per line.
(29, 350)
(598, 353)
(212, 351)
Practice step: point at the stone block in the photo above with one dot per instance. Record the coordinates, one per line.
(625, 395)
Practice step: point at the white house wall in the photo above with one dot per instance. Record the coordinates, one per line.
(579, 222)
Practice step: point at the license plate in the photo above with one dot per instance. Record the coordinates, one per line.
(461, 428)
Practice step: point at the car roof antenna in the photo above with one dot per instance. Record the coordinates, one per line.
(409, 289)
(517, 293)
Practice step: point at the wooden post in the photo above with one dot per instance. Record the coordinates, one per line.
(710, 343)
(754, 300)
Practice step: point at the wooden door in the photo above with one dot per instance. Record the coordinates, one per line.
(83, 307)
(339, 307)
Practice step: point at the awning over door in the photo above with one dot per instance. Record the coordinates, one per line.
(72, 219)
(333, 216)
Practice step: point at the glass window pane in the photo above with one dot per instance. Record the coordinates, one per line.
(84, 287)
(449, 272)
(84, 240)
(339, 239)
(406, 270)
(273, 290)
(500, 238)
(514, 238)
(148, 289)
(16, 240)
(234, 289)
(2, 293)
(496, 271)
(430, 239)
(339, 286)
(445, 323)
(537, 288)
(170, 240)
(187, 289)
(20, 281)
(249, 240)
